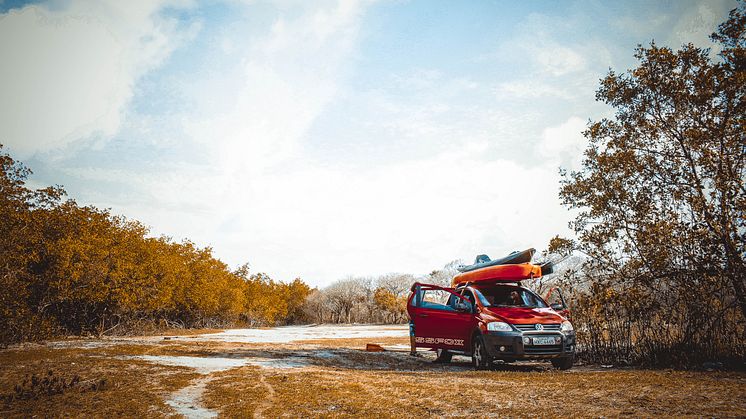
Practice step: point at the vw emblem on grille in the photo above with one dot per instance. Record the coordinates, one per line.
(539, 327)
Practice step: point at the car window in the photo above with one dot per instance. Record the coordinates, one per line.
(485, 300)
(508, 296)
(437, 300)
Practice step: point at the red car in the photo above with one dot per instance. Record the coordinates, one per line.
(491, 320)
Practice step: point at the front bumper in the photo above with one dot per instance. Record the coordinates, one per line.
(510, 345)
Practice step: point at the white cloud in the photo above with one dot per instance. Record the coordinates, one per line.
(557, 60)
(420, 79)
(236, 197)
(563, 145)
(531, 89)
(286, 80)
(697, 23)
(538, 42)
(407, 216)
(686, 21)
(69, 70)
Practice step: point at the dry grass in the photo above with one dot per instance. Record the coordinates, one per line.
(185, 332)
(394, 394)
(356, 342)
(342, 380)
(239, 392)
(130, 388)
(514, 390)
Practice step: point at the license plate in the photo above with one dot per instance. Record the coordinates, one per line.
(543, 340)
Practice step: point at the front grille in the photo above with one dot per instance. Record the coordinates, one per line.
(532, 327)
(543, 349)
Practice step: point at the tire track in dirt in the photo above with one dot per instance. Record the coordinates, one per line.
(268, 400)
(187, 401)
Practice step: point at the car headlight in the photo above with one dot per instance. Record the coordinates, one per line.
(498, 327)
(566, 326)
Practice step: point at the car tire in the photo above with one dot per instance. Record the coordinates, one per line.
(480, 359)
(563, 363)
(443, 356)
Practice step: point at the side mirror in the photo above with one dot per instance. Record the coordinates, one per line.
(558, 300)
(463, 306)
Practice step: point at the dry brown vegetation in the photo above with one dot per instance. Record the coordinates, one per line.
(345, 392)
(71, 269)
(337, 378)
(661, 208)
(131, 388)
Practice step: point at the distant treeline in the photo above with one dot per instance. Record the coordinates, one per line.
(71, 269)
(381, 299)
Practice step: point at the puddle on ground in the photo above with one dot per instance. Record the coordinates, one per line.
(288, 334)
(397, 348)
(201, 364)
(208, 365)
(325, 354)
(83, 344)
(279, 363)
(285, 334)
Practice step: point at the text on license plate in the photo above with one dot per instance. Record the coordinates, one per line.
(544, 340)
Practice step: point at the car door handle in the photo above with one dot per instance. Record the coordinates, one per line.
(423, 315)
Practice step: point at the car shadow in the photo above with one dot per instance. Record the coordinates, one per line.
(464, 363)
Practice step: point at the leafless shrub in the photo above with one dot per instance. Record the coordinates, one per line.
(35, 386)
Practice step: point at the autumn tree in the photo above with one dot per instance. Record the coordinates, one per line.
(390, 296)
(66, 268)
(344, 296)
(19, 249)
(662, 196)
(389, 305)
(296, 293)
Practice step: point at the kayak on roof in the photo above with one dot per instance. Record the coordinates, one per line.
(483, 261)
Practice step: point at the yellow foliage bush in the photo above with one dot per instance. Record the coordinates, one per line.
(71, 269)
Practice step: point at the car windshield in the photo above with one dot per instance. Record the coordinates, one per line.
(508, 296)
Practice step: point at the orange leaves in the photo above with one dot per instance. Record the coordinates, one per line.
(663, 204)
(85, 270)
(270, 303)
(392, 304)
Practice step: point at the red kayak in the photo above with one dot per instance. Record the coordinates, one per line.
(499, 273)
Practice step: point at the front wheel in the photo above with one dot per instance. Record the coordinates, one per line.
(479, 356)
(443, 356)
(563, 363)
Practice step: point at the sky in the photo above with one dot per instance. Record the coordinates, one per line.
(323, 139)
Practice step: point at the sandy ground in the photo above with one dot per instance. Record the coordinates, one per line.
(324, 371)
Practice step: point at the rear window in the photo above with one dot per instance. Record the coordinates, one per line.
(508, 296)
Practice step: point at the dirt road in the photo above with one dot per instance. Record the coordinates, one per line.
(324, 371)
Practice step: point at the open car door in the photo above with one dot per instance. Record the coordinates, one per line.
(556, 300)
(442, 318)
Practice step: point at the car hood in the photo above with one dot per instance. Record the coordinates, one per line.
(524, 315)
